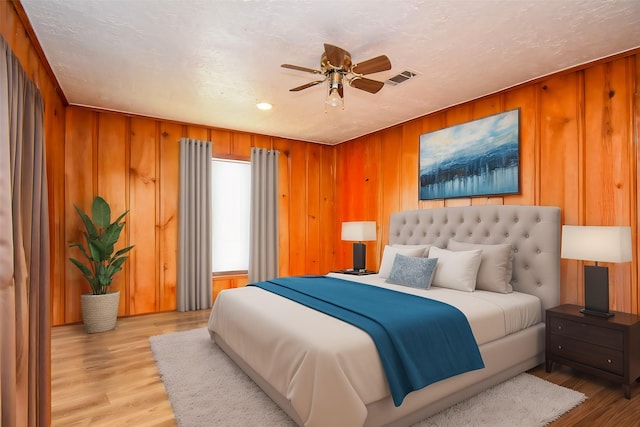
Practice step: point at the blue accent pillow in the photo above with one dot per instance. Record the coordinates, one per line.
(416, 272)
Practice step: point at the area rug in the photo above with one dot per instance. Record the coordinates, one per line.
(206, 388)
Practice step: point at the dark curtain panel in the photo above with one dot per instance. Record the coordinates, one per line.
(25, 329)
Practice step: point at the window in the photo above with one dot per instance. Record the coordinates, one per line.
(230, 194)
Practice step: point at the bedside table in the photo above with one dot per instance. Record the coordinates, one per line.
(607, 348)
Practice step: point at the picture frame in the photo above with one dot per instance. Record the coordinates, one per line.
(476, 158)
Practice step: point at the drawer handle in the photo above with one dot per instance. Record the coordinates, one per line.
(559, 347)
(559, 328)
(608, 360)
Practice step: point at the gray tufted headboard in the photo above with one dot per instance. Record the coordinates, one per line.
(533, 231)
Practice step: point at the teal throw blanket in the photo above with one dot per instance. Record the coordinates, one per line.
(420, 341)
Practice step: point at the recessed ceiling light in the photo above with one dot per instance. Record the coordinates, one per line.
(264, 106)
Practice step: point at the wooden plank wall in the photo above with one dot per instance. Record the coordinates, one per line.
(133, 163)
(578, 148)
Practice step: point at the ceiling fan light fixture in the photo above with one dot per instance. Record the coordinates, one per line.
(334, 97)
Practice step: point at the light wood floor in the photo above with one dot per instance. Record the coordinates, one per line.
(110, 379)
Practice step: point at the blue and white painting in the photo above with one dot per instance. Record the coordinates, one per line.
(477, 158)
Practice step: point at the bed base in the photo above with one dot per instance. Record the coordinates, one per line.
(269, 390)
(503, 358)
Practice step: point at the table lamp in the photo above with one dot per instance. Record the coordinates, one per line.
(598, 244)
(358, 232)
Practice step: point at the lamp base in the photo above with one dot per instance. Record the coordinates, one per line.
(359, 256)
(596, 291)
(596, 313)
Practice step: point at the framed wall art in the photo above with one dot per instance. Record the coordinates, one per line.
(477, 158)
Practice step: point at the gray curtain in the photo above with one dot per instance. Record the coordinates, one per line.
(194, 287)
(263, 240)
(25, 329)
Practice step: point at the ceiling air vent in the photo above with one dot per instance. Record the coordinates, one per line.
(401, 78)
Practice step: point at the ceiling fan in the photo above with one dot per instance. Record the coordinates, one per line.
(336, 66)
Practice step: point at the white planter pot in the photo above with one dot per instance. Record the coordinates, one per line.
(100, 312)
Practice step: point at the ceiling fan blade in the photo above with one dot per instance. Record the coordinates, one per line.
(298, 68)
(368, 85)
(304, 86)
(336, 55)
(373, 65)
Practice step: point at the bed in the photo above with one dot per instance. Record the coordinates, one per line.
(322, 371)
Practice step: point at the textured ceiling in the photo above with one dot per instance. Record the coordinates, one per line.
(208, 62)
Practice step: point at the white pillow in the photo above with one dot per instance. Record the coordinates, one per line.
(389, 256)
(496, 267)
(456, 270)
(425, 247)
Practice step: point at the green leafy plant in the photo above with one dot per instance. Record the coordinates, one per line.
(100, 236)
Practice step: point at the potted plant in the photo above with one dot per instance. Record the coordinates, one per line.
(100, 307)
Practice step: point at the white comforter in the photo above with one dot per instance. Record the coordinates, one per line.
(328, 369)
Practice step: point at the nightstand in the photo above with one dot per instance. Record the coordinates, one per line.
(607, 348)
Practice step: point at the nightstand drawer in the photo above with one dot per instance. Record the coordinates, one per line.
(605, 337)
(587, 354)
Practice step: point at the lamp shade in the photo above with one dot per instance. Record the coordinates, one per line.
(359, 231)
(596, 243)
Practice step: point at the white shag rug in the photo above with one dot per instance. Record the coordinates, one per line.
(206, 388)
